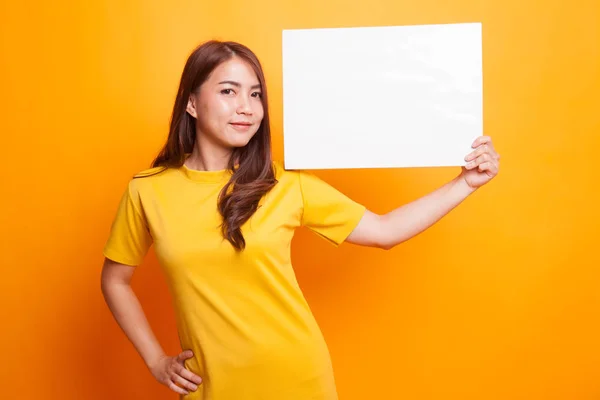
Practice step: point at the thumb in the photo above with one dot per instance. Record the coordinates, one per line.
(185, 355)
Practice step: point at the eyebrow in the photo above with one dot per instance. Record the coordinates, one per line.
(237, 84)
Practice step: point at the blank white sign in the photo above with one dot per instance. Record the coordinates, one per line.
(381, 97)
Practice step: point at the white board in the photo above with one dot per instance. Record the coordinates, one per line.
(381, 97)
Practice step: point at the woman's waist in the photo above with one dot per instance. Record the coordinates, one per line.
(257, 346)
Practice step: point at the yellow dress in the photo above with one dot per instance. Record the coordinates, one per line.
(242, 314)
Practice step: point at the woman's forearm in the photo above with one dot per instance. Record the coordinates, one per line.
(413, 218)
(127, 311)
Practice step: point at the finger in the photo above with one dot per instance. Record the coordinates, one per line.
(479, 160)
(184, 355)
(491, 149)
(484, 148)
(189, 375)
(488, 166)
(176, 388)
(481, 140)
(184, 382)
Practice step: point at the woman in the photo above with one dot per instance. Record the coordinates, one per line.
(221, 215)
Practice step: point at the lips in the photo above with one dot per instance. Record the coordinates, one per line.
(241, 123)
(241, 126)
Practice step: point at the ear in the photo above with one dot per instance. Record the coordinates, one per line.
(191, 106)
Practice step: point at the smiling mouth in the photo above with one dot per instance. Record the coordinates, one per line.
(241, 127)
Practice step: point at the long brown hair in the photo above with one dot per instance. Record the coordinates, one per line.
(252, 167)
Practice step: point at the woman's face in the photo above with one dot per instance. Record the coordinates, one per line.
(228, 107)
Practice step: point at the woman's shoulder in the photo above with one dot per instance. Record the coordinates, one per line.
(148, 178)
(282, 174)
(291, 174)
(150, 172)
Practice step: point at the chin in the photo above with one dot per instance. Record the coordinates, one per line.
(240, 140)
(237, 143)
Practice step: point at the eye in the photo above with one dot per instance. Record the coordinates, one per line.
(257, 94)
(226, 91)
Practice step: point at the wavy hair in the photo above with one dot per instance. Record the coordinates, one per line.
(252, 169)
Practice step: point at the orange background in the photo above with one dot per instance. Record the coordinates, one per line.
(499, 300)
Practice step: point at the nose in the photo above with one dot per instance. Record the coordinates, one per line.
(244, 106)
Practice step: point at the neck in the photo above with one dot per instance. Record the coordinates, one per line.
(208, 157)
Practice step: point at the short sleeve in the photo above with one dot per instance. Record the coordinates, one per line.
(129, 238)
(327, 211)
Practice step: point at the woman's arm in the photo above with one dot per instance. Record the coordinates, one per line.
(407, 221)
(127, 311)
(124, 304)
